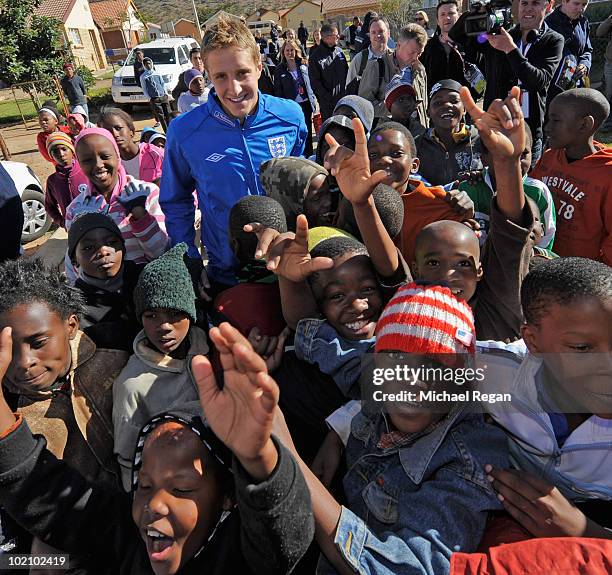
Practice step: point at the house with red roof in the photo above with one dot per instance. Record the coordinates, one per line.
(120, 23)
(79, 30)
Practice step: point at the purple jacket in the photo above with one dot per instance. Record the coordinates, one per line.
(62, 188)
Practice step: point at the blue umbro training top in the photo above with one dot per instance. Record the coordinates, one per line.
(210, 152)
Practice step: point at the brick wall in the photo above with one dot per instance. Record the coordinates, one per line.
(85, 53)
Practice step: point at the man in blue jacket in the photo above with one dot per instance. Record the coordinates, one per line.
(217, 150)
(568, 19)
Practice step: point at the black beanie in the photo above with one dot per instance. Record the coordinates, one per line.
(166, 283)
(89, 221)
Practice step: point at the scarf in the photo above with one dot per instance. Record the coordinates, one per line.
(122, 178)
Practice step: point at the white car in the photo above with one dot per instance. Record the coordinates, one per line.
(170, 57)
(36, 222)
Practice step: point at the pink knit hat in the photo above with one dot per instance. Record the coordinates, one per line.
(426, 320)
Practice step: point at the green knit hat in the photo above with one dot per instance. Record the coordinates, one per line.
(166, 283)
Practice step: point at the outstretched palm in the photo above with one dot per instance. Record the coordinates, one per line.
(502, 126)
(242, 412)
(352, 169)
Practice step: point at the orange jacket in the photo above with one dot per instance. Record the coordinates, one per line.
(422, 206)
(582, 192)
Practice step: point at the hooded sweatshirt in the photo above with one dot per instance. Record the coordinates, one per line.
(62, 188)
(151, 383)
(582, 191)
(287, 180)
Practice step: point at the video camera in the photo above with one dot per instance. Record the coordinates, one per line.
(497, 14)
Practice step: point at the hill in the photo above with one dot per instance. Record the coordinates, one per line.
(160, 11)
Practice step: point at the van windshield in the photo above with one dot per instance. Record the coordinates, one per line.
(158, 55)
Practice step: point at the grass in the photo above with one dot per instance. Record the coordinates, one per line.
(9, 112)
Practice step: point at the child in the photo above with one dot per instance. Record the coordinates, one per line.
(416, 488)
(301, 187)
(389, 206)
(57, 379)
(174, 520)
(560, 434)
(154, 88)
(339, 126)
(141, 161)
(253, 306)
(131, 204)
(62, 186)
(158, 140)
(97, 251)
(450, 147)
(49, 119)
(481, 192)
(391, 149)
(158, 376)
(446, 251)
(577, 170)
(401, 101)
(197, 92)
(353, 106)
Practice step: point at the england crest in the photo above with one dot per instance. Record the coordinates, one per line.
(277, 146)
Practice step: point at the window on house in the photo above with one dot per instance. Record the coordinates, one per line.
(74, 36)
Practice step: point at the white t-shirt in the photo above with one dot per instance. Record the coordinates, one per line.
(132, 167)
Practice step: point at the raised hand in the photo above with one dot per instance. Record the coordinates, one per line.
(460, 203)
(241, 414)
(502, 126)
(538, 506)
(133, 197)
(352, 169)
(295, 263)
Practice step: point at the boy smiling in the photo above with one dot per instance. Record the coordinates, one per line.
(218, 149)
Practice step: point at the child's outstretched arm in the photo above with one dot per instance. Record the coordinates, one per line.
(276, 514)
(502, 128)
(356, 182)
(288, 257)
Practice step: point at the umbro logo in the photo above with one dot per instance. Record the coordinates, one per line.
(215, 158)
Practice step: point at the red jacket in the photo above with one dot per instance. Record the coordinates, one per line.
(582, 192)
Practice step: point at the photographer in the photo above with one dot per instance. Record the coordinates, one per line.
(528, 55)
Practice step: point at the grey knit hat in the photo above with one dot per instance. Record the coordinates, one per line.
(166, 283)
(363, 108)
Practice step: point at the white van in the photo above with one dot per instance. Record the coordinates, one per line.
(170, 57)
(264, 27)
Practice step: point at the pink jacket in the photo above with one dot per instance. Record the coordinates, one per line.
(151, 159)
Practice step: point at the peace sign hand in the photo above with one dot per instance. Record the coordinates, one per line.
(352, 169)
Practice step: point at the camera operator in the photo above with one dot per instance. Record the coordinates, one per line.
(528, 55)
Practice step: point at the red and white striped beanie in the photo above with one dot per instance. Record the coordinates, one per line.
(426, 319)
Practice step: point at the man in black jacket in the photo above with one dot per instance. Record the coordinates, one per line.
(527, 55)
(442, 58)
(327, 68)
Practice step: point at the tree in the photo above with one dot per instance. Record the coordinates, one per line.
(399, 13)
(32, 47)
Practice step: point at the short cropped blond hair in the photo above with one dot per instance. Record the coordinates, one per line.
(229, 33)
(413, 32)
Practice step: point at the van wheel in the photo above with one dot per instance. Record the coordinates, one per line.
(127, 107)
(36, 222)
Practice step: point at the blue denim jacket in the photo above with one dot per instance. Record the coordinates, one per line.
(317, 342)
(413, 505)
